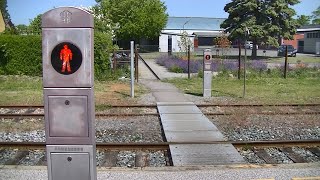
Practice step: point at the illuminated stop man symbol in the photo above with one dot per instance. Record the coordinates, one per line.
(65, 57)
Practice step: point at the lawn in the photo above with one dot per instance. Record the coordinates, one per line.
(298, 58)
(24, 90)
(258, 90)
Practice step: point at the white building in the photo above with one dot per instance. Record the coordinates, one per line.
(311, 38)
(201, 31)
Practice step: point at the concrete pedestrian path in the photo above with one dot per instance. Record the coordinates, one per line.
(183, 122)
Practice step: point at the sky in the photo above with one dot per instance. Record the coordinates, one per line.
(22, 11)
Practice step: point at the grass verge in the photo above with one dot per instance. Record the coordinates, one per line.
(258, 90)
(24, 90)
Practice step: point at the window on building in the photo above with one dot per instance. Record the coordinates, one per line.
(308, 35)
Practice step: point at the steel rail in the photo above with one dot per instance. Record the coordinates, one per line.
(165, 145)
(15, 115)
(97, 115)
(154, 106)
(256, 105)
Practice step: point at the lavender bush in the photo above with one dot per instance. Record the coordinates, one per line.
(172, 62)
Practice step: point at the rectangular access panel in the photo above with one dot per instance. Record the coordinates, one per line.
(71, 162)
(70, 166)
(69, 115)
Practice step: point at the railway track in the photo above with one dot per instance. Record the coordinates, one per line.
(157, 154)
(208, 109)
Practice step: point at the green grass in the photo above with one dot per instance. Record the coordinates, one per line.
(20, 90)
(301, 58)
(258, 90)
(24, 90)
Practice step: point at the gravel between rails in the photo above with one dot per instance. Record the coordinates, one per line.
(111, 129)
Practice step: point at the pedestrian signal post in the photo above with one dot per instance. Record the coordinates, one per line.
(207, 75)
(68, 82)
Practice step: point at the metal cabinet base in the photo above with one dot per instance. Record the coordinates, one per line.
(71, 162)
(69, 116)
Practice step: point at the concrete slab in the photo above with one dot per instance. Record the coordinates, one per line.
(204, 154)
(179, 110)
(175, 103)
(183, 117)
(188, 125)
(194, 136)
(169, 96)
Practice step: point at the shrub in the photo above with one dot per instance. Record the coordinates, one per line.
(20, 55)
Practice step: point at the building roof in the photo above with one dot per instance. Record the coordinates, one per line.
(194, 23)
(207, 34)
(314, 27)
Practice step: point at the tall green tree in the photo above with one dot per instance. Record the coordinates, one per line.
(267, 20)
(316, 16)
(303, 20)
(35, 25)
(132, 19)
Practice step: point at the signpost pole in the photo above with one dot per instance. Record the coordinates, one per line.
(188, 61)
(132, 68)
(207, 76)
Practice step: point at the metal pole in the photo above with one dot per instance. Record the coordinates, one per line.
(286, 63)
(244, 70)
(188, 61)
(239, 60)
(137, 62)
(132, 69)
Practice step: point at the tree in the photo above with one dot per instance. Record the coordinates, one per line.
(22, 29)
(222, 42)
(316, 16)
(184, 43)
(267, 20)
(131, 19)
(35, 25)
(303, 20)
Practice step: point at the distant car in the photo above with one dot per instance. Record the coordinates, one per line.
(291, 51)
(249, 45)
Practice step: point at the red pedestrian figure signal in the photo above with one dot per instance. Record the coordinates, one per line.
(207, 57)
(65, 57)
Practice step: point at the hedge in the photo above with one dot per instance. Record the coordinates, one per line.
(22, 55)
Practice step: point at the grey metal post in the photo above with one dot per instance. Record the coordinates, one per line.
(132, 68)
(188, 61)
(207, 75)
(247, 33)
(68, 83)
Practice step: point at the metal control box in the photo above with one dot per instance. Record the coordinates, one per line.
(70, 115)
(68, 81)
